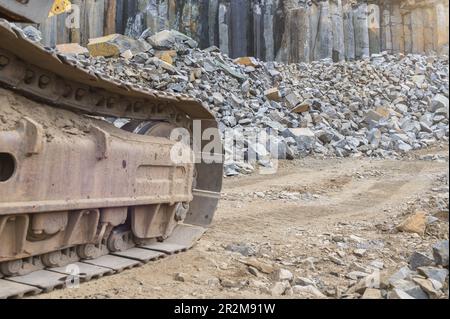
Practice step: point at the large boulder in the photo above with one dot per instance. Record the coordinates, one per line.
(439, 101)
(304, 137)
(440, 253)
(114, 45)
(171, 40)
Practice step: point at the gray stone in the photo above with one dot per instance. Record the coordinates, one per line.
(402, 108)
(416, 292)
(245, 121)
(324, 136)
(253, 271)
(241, 248)
(373, 116)
(377, 264)
(439, 101)
(229, 121)
(359, 252)
(372, 293)
(171, 39)
(227, 283)
(425, 128)
(403, 284)
(356, 275)
(374, 137)
(398, 294)
(278, 148)
(303, 281)
(419, 260)
(36, 36)
(283, 275)
(403, 147)
(236, 168)
(428, 287)
(304, 137)
(180, 277)
(141, 57)
(218, 98)
(402, 273)
(440, 253)
(311, 290)
(293, 100)
(438, 274)
(336, 260)
(115, 45)
(279, 288)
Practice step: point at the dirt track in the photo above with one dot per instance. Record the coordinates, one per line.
(319, 199)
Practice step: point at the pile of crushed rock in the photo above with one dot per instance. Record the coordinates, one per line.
(383, 106)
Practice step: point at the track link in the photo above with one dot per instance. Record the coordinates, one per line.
(49, 279)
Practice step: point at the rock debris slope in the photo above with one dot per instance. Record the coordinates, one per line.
(382, 106)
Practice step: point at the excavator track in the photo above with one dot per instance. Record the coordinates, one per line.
(48, 279)
(128, 204)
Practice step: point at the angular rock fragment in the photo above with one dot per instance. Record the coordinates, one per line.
(171, 40)
(247, 61)
(372, 293)
(305, 138)
(440, 253)
(420, 260)
(273, 94)
(71, 49)
(115, 44)
(416, 223)
(398, 294)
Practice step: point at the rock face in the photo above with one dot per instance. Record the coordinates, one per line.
(289, 30)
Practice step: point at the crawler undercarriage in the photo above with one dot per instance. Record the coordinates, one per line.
(77, 190)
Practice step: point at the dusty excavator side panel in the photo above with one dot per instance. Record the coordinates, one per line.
(66, 168)
(62, 175)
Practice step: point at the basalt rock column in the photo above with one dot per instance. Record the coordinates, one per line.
(374, 28)
(49, 32)
(407, 32)
(110, 17)
(224, 21)
(323, 43)
(360, 24)
(337, 27)
(96, 18)
(258, 37)
(398, 43)
(239, 28)
(349, 33)
(194, 20)
(295, 44)
(442, 27)
(386, 36)
(268, 29)
(429, 30)
(213, 22)
(418, 43)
